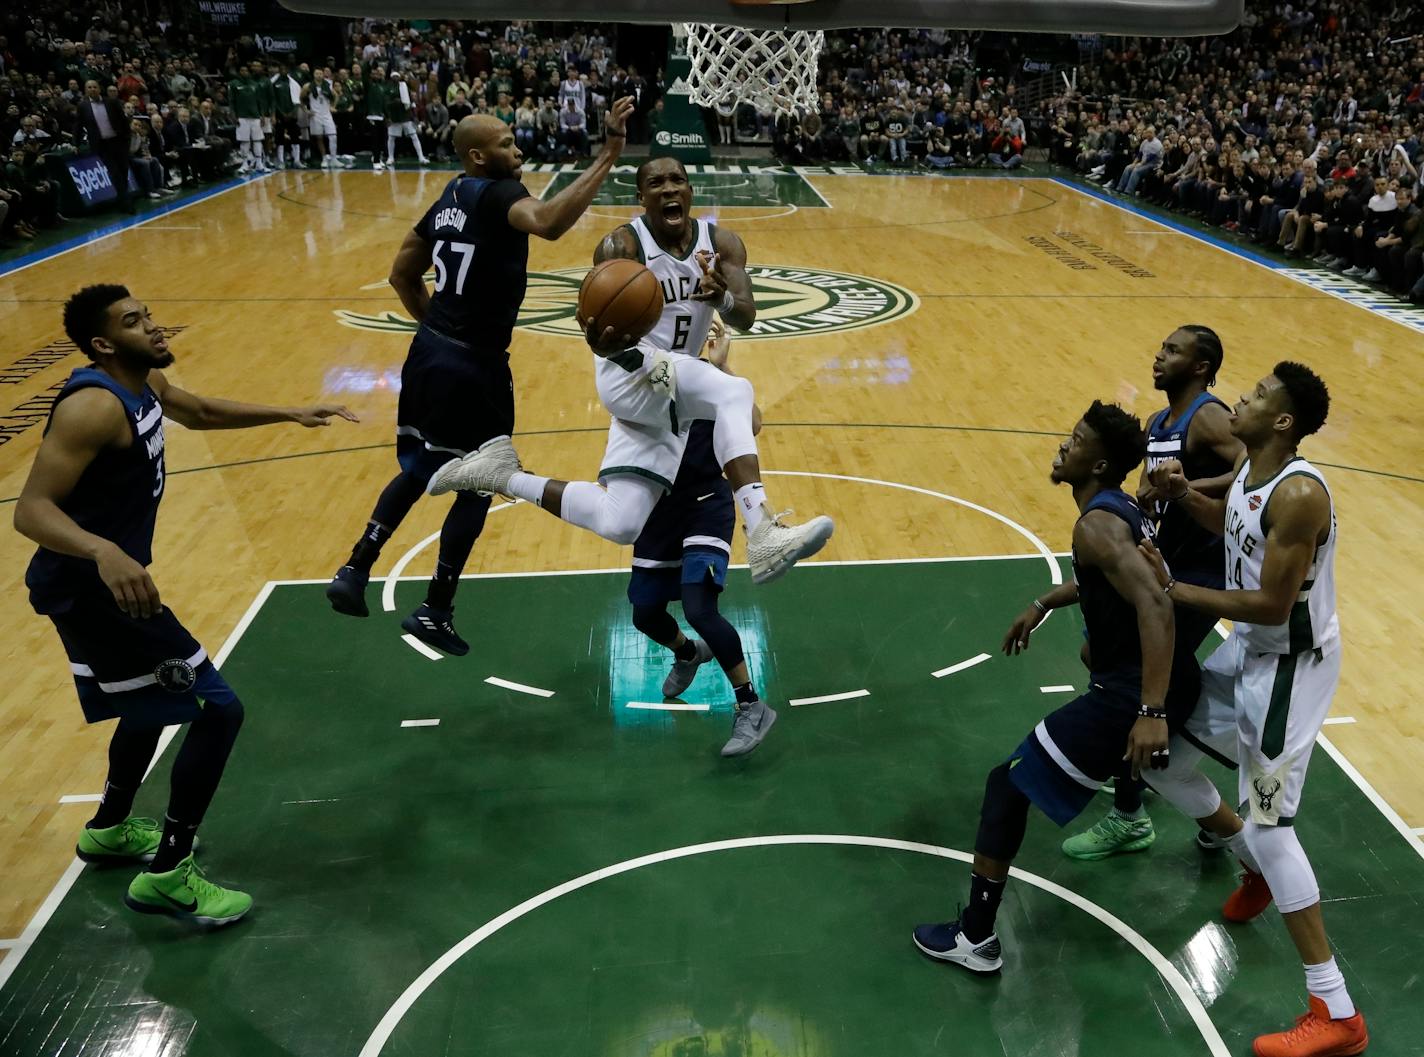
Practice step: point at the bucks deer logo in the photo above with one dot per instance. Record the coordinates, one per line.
(1267, 788)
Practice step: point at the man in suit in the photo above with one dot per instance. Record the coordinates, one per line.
(180, 137)
(101, 123)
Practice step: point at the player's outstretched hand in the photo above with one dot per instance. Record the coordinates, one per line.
(1147, 745)
(1016, 638)
(1169, 479)
(713, 284)
(607, 343)
(321, 415)
(1149, 550)
(719, 345)
(615, 124)
(133, 588)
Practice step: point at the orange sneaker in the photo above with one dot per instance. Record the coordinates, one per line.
(1247, 902)
(1316, 1035)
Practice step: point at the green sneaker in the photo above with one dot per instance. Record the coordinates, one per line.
(1112, 835)
(132, 840)
(185, 893)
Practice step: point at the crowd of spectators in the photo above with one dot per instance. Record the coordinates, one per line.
(164, 111)
(1299, 132)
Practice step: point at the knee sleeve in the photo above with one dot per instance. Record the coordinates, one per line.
(1182, 783)
(1003, 818)
(616, 513)
(699, 606)
(1284, 866)
(656, 623)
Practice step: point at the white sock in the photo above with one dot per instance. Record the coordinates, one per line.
(1236, 843)
(751, 499)
(1327, 983)
(296, 155)
(1131, 816)
(390, 150)
(257, 152)
(331, 146)
(528, 487)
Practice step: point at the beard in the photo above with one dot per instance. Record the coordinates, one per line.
(145, 357)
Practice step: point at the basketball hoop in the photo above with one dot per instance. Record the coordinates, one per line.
(771, 69)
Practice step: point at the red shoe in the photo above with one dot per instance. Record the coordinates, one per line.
(1249, 900)
(1316, 1035)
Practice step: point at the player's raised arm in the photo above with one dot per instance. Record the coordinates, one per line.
(83, 425)
(1211, 431)
(208, 412)
(725, 281)
(551, 218)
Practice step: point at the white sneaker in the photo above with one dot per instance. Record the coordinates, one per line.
(378, 165)
(773, 548)
(486, 470)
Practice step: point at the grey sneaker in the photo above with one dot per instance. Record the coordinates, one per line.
(749, 728)
(683, 672)
(773, 548)
(486, 470)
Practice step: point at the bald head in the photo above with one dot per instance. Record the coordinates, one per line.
(483, 133)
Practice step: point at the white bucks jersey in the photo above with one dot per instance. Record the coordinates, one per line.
(318, 104)
(1313, 623)
(685, 322)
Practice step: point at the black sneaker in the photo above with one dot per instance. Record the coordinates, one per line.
(436, 627)
(347, 592)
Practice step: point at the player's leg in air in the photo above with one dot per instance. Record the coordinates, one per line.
(653, 396)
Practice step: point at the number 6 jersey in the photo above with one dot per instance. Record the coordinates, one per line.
(685, 322)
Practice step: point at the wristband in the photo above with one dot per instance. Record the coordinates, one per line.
(1043, 609)
(728, 303)
(1171, 583)
(610, 134)
(1151, 712)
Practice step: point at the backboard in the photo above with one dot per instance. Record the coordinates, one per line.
(1159, 18)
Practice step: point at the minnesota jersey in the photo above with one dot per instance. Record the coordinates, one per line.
(685, 322)
(1194, 553)
(1114, 647)
(1313, 623)
(480, 261)
(116, 497)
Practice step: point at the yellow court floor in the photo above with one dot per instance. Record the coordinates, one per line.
(982, 316)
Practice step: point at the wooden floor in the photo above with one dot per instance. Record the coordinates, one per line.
(966, 395)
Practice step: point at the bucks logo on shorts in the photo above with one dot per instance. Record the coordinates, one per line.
(791, 303)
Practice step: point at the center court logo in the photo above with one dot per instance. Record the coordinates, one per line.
(791, 303)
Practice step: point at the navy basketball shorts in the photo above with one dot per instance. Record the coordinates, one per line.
(1065, 759)
(453, 398)
(150, 671)
(687, 537)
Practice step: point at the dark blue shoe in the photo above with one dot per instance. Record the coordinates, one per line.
(347, 592)
(947, 943)
(436, 627)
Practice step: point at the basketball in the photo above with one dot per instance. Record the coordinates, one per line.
(621, 294)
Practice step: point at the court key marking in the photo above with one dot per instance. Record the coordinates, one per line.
(1169, 973)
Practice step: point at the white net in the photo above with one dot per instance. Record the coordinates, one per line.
(773, 70)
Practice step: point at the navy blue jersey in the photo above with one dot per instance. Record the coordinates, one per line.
(699, 465)
(116, 497)
(1195, 554)
(480, 261)
(1113, 644)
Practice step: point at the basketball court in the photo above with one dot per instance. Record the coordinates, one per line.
(512, 852)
